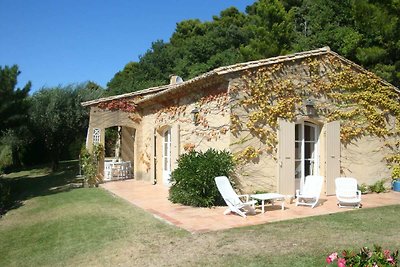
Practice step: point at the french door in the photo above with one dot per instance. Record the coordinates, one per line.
(306, 151)
(166, 157)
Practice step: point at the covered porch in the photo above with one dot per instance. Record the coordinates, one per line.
(154, 199)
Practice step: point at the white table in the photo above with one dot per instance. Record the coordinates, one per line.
(271, 197)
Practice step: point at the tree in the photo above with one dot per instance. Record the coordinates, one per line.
(194, 48)
(58, 118)
(364, 31)
(271, 29)
(13, 111)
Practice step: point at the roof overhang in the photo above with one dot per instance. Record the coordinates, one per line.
(151, 94)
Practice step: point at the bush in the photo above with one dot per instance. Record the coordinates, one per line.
(193, 181)
(378, 187)
(396, 172)
(5, 157)
(90, 164)
(364, 188)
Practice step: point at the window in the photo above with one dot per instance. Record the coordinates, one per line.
(96, 136)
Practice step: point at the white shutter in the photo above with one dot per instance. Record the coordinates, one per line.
(332, 155)
(286, 166)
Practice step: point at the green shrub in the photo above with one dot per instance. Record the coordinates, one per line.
(90, 164)
(193, 181)
(378, 187)
(364, 188)
(5, 156)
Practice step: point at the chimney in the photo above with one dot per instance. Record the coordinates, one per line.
(174, 79)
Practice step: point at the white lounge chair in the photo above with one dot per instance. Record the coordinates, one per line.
(347, 192)
(232, 199)
(310, 191)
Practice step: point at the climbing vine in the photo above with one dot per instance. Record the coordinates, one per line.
(216, 103)
(125, 105)
(365, 105)
(172, 113)
(90, 164)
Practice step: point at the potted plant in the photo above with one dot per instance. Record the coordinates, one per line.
(396, 178)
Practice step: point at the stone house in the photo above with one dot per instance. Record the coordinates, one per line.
(283, 118)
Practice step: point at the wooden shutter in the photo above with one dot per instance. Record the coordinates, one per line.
(153, 157)
(175, 146)
(286, 166)
(332, 155)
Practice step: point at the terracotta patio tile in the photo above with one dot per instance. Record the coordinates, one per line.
(154, 199)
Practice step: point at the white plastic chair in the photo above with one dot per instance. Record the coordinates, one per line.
(347, 192)
(310, 192)
(232, 199)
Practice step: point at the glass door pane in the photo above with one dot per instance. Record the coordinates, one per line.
(306, 140)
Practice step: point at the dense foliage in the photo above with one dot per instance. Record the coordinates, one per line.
(90, 164)
(59, 119)
(193, 181)
(48, 126)
(13, 115)
(364, 31)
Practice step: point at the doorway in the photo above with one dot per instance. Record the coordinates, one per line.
(306, 151)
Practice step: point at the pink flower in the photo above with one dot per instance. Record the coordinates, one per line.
(331, 257)
(386, 252)
(341, 262)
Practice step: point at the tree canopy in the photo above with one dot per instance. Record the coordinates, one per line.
(13, 106)
(13, 113)
(365, 31)
(58, 118)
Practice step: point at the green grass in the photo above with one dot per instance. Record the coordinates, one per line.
(58, 226)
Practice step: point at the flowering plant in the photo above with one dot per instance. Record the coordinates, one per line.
(366, 257)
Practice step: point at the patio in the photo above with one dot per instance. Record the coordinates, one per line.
(197, 220)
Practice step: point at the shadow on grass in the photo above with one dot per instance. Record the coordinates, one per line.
(38, 181)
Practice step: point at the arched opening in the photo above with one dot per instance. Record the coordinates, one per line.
(119, 145)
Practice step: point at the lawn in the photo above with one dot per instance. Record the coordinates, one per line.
(58, 226)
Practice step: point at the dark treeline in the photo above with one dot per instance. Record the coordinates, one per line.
(364, 31)
(47, 126)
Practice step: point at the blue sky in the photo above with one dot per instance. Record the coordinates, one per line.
(58, 42)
